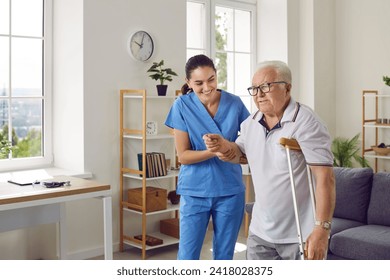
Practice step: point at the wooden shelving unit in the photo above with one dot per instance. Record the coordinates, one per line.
(131, 173)
(372, 124)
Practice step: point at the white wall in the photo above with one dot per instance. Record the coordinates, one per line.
(301, 33)
(272, 30)
(343, 48)
(109, 68)
(306, 52)
(362, 57)
(68, 84)
(324, 62)
(338, 49)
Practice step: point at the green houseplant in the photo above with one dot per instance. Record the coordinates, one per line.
(161, 74)
(346, 151)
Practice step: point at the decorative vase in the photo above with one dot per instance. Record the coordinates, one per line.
(162, 90)
(174, 197)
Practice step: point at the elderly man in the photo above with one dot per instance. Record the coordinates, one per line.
(272, 232)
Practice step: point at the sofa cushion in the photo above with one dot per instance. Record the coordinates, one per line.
(353, 188)
(331, 257)
(379, 209)
(369, 242)
(340, 224)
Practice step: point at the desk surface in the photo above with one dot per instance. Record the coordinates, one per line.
(11, 193)
(17, 206)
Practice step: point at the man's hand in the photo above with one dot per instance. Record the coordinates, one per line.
(316, 245)
(228, 156)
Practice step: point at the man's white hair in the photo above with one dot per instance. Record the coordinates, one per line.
(281, 68)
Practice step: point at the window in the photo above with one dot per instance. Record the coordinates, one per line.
(224, 30)
(196, 28)
(25, 67)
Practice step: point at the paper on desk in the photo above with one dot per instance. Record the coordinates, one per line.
(24, 178)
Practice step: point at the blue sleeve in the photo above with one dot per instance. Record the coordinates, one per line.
(175, 116)
(244, 113)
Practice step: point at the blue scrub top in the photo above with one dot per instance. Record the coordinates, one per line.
(212, 177)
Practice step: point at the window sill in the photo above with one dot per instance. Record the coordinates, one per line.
(42, 174)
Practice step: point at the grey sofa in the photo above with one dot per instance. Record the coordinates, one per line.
(361, 220)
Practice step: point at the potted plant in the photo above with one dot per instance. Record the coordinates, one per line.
(345, 151)
(161, 74)
(386, 79)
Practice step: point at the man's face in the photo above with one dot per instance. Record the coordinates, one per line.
(273, 102)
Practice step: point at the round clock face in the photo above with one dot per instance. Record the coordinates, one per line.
(141, 45)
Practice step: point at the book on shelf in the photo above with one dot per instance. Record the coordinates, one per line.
(155, 164)
(150, 165)
(139, 155)
(164, 164)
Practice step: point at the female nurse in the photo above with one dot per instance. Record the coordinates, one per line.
(208, 186)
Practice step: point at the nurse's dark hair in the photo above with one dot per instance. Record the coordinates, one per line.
(193, 63)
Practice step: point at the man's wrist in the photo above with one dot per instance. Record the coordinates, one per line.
(326, 225)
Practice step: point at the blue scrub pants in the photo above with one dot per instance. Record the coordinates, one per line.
(226, 212)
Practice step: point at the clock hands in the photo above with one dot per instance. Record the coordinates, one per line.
(142, 42)
(140, 45)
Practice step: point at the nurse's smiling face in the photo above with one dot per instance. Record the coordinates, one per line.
(203, 82)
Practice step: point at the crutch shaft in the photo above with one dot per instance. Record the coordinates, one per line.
(292, 144)
(297, 221)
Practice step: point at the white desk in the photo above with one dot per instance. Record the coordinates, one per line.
(24, 206)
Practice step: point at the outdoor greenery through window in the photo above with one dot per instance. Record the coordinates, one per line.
(224, 30)
(22, 77)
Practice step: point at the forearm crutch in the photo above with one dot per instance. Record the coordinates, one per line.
(292, 144)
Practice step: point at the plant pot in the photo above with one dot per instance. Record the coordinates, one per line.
(162, 90)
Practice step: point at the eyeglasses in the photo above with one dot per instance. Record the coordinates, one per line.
(264, 88)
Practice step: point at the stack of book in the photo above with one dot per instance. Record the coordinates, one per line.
(155, 164)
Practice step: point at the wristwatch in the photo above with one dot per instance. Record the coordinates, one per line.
(324, 224)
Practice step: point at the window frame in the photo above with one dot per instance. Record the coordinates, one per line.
(46, 159)
(207, 19)
(210, 48)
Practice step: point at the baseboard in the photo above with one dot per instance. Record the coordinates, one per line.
(91, 253)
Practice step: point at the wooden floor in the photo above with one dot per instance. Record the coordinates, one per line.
(170, 252)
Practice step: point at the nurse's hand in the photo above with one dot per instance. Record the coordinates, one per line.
(223, 149)
(215, 143)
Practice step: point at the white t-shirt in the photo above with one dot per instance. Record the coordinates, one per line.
(273, 217)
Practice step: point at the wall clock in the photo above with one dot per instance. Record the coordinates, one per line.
(140, 45)
(151, 128)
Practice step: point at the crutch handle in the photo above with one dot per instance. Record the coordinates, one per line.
(290, 143)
